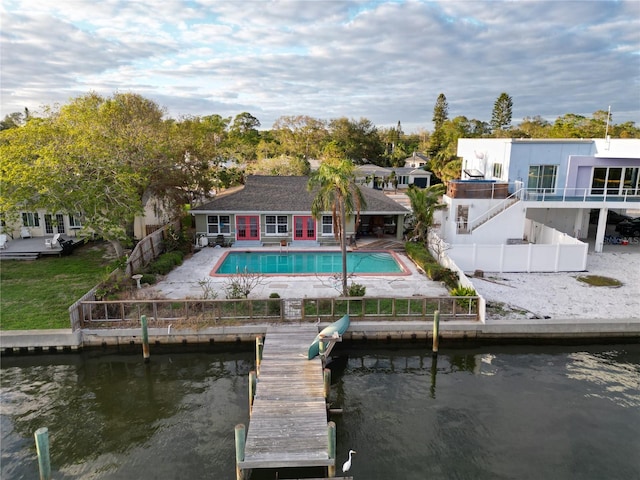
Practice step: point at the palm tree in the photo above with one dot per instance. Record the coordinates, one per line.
(424, 203)
(338, 193)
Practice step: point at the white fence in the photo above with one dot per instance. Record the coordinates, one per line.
(553, 251)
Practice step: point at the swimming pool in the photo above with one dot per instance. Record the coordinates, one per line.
(308, 263)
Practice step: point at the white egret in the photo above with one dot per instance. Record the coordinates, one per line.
(347, 464)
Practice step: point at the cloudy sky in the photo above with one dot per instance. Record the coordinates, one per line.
(383, 60)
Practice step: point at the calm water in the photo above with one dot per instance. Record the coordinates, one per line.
(308, 262)
(488, 413)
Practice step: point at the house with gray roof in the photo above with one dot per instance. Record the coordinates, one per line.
(277, 210)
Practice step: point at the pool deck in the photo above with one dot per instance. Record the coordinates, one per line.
(185, 280)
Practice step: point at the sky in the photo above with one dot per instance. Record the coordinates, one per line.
(386, 61)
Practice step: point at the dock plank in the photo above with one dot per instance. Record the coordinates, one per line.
(288, 425)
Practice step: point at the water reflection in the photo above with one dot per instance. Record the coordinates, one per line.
(499, 412)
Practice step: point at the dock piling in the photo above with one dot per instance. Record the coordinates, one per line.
(259, 347)
(145, 338)
(436, 332)
(327, 383)
(240, 441)
(253, 380)
(42, 447)
(331, 432)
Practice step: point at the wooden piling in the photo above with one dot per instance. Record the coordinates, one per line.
(145, 338)
(42, 447)
(259, 346)
(331, 433)
(253, 380)
(436, 332)
(240, 441)
(327, 383)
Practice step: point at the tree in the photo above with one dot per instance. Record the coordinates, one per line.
(281, 165)
(502, 112)
(336, 192)
(244, 137)
(440, 111)
(534, 127)
(359, 140)
(100, 158)
(424, 203)
(300, 136)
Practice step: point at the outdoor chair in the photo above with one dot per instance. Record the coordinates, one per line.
(220, 240)
(25, 232)
(51, 242)
(3, 240)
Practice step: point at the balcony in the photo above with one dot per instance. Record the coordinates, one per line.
(477, 189)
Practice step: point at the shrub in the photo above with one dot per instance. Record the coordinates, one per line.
(165, 262)
(274, 307)
(148, 278)
(419, 254)
(460, 291)
(356, 290)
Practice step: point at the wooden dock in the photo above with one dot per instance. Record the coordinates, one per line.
(288, 425)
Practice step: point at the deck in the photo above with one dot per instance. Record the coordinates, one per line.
(288, 425)
(34, 247)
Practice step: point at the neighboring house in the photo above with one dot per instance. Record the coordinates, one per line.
(39, 223)
(523, 205)
(276, 210)
(417, 160)
(374, 176)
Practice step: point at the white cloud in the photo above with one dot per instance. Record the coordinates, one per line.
(386, 61)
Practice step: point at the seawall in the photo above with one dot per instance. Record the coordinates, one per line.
(535, 331)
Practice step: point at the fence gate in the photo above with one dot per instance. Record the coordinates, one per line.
(292, 309)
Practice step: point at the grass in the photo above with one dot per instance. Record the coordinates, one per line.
(37, 294)
(599, 281)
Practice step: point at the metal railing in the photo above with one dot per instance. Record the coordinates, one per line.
(204, 313)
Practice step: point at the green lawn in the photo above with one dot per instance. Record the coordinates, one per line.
(37, 294)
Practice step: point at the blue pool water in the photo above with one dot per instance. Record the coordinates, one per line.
(308, 262)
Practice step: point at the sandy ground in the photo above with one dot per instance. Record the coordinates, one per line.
(562, 295)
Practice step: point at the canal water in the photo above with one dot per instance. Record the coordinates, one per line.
(486, 413)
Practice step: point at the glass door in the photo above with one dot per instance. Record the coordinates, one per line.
(304, 228)
(248, 227)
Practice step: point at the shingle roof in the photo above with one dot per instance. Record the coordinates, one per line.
(262, 193)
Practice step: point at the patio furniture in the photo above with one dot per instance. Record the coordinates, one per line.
(51, 242)
(25, 232)
(3, 240)
(221, 241)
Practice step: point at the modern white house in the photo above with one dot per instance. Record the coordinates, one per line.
(522, 205)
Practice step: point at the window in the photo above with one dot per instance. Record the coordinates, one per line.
(30, 219)
(75, 221)
(631, 181)
(542, 178)
(462, 219)
(497, 170)
(327, 225)
(218, 224)
(276, 224)
(615, 181)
